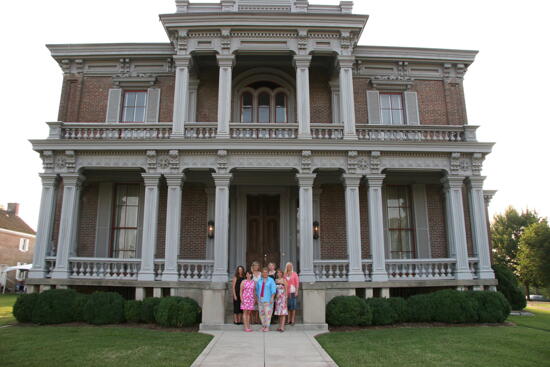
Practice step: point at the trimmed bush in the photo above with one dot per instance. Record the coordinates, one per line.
(399, 306)
(348, 311)
(132, 311)
(78, 306)
(508, 285)
(149, 307)
(54, 306)
(104, 308)
(177, 312)
(23, 307)
(382, 311)
(420, 308)
(492, 307)
(453, 307)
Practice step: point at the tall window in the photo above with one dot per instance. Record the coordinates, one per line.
(264, 102)
(280, 107)
(391, 108)
(247, 107)
(134, 106)
(400, 225)
(23, 244)
(125, 229)
(264, 107)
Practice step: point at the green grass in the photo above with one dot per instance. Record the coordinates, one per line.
(6, 304)
(526, 344)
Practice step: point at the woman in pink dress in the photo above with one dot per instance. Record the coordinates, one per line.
(247, 299)
(281, 309)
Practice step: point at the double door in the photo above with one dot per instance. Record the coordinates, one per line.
(263, 229)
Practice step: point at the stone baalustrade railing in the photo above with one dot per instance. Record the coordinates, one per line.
(49, 265)
(331, 270)
(263, 131)
(412, 269)
(188, 270)
(473, 262)
(101, 131)
(104, 268)
(416, 133)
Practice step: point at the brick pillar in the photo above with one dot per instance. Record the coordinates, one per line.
(221, 235)
(181, 95)
(149, 236)
(302, 96)
(173, 227)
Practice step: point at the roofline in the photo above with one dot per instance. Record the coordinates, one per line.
(415, 53)
(18, 233)
(110, 49)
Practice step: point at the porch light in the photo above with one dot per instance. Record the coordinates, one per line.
(316, 230)
(210, 230)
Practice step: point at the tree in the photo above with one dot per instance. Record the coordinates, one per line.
(506, 231)
(533, 255)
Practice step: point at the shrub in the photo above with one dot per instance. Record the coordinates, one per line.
(104, 308)
(453, 307)
(177, 312)
(23, 307)
(399, 306)
(382, 311)
(508, 285)
(149, 307)
(132, 311)
(54, 306)
(78, 306)
(348, 311)
(420, 308)
(492, 307)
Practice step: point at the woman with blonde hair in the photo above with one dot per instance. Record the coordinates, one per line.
(293, 283)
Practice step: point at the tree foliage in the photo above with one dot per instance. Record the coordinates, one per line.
(533, 256)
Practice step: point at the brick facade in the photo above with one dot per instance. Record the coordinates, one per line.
(431, 102)
(87, 220)
(436, 221)
(320, 96)
(194, 212)
(207, 97)
(364, 217)
(467, 221)
(360, 87)
(333, 222)
(57, 213)
(10, 254)
(166, 85)
(161, 220)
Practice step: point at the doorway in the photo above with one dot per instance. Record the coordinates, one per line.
(263, 229)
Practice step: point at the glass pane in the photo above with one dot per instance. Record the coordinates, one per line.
(395, 101)
(247, 99)
(406, 241)
(386, 117)
(119, 243)
(395, 241)
(404, 218)
(139, 114)
(131, 216)
(128, 115)
(393, 196)
(280, 107)
(393, 218)
(246, 114)
(130, 242)
(263, 99)
(385, 101)
(263, 114)
(132, 195)
(280, 100)
(140, 99)
(130, 99)
(397, 117)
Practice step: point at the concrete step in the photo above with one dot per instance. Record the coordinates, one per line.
(295, 327)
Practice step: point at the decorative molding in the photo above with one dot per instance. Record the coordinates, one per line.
(221, 162)
(353, 161)
(151, 161)
(375, 162)
(306, 161)
(477, 163)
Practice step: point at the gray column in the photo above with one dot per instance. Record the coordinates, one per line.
(221, 234)
(181, 95)
(173, 227)
(150, 218)
(347, 104)
(305, 181)
(479, 226)
(353, 227)
(376, 227)
(67, 227)
(45, 224)
(302, 96)
(224, 94)
(456, 225)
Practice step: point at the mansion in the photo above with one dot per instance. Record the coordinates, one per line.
(261, 131)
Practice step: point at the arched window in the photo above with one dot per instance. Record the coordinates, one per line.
(264, 102)
(264, 107)
(280, 107)
(247, 106)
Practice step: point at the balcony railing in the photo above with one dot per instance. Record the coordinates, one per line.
(49, 265)
(263, 131)
(473, 262)
(99, 131)
(331, 270)
(407, 269)
(104, 268)
(195, 270)
(417, 133)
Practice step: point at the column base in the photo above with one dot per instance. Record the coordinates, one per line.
(313, 306)
(486, 274)
(170, 276)
(220, 278)
(146, 276)
(356, 276)
(369, 293)
(385, 292)
(140, 294)
(350, 137)
(464, 274)
(478, 287)
(157, 292)
(37, 274)
(213, 306)
(45, 287)
(379, 276)
(60, 274)
(177, 135)
(307, 277)
(304, 136)
(222, 135)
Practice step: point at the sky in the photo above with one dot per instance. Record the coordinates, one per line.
(505, 95)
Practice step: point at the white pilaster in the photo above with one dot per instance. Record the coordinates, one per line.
(376, 227)
(173, 227)
(353, 227)
(150, 218)
(225, 64)
(221, 223)
(456, 224)
(479, 226)
(45, 224)
(181, 95)
(302, 96)
(305, 181)
(67, 226)
(347, 104)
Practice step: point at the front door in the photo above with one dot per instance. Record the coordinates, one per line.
(263, 229)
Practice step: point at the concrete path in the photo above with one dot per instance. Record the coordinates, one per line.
(271, 349)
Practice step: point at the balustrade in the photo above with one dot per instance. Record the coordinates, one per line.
(263, 131)
(411, 133)
(405, 269)
(103, 268)
(195, 270)
(331, 270)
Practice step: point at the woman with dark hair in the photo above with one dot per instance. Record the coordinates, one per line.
(236, 285)
(247, 299)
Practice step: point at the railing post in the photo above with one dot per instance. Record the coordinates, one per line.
(149, 237)
(305, 181)
(173, 227)
(376, 227)
(302, 96)
(353, 227)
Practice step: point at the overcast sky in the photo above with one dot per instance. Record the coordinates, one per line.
(506, 88)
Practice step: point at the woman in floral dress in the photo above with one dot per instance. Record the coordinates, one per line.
(247, 299)
(280, 299)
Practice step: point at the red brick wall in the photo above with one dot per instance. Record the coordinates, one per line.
(166, 85)
(360, 86)
(333, 222)
(94, 97)
(207, 97)
(431, 102)
(10, 254)
(87, 220)
(57, 213)
(320, 97)
(70, 98)
(436, 221)
(194, 213)
(456, 111)
(161, 220)
(364, 213)
(467, 221)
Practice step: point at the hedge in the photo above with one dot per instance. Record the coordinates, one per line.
(54, 306)
(23, 307)
(78, 306)
(419, 308)
(104, 308)
(177, 312)
(132, 311)
(348, 311)
(399, 306)
(492, 307)
(453, 307)
(148, 309)
(508, 285)
(382, 311)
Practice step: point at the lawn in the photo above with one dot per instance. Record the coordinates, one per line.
(526, 344)
(6, 303)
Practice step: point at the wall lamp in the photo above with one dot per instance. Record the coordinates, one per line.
(210, 229)
(316, 230)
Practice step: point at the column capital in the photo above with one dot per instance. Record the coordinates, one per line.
(301, 61)
(351, 179)
(375, 180)
(174, 179)
(452, 182)
(305, 179)
(48, 179)
(345, 61)
(488, 196)
(72, 179)
(182, 61)
(151, 179)
(225, 61)
(222, 179)
(475, 182)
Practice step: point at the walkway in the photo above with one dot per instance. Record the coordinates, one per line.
(271, 349)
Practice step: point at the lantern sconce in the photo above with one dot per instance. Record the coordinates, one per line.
(316, 230)
(210, 229)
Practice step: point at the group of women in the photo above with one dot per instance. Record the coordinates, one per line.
(258, 294)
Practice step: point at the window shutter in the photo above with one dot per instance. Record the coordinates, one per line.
(153, 104)
(411, 108)
(113, 105)
(373, 107)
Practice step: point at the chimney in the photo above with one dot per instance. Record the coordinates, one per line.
(13, 208)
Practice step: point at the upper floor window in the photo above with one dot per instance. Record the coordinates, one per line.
(264, 102)
(400, 226)
(125, 230)
(133, 109)
(23, 244)
(391, 108)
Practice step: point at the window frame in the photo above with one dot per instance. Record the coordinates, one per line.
(114, 213)
(402, 109)
(272, 93)
(411, 229)
(24, 244)
(123, 109)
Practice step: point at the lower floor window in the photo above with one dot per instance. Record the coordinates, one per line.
(125, 230)
(400, 225)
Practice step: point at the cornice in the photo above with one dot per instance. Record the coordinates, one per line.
(414, 53)
(110, 49)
